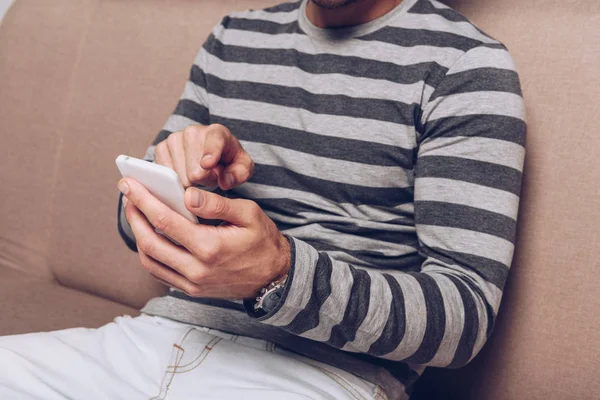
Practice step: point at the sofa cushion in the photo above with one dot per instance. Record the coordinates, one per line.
(34, 305)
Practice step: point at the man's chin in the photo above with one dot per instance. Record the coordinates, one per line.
(333, 4)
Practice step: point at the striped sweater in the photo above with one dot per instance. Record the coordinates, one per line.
(391, 153)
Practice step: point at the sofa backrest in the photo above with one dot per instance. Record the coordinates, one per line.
(83, 81)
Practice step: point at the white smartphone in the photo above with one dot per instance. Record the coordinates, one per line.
(161, 181)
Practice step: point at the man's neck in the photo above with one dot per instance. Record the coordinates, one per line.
(356, 13)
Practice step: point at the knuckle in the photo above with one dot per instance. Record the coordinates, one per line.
(253, 208)
(173, 139)
(146, 263)
(161, 147)
(146, 246)
(218, 128)
(245, 174)
(161, 222)
(193, 291)
(210, 255)
(195, 175)
(197, 276)
(191, 130)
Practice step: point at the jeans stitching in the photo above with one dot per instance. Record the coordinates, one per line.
(208, 347)
(198, 361)
(176, 350)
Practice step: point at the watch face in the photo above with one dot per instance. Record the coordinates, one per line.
(272, 299)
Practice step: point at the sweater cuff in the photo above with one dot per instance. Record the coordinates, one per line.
(295, 294)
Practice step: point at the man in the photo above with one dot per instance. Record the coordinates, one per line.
(365, 158)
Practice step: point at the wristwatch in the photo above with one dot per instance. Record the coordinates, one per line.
(270, 296)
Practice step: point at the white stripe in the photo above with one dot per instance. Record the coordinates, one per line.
(345, 210)
(454, 310)
(348, 242)
(368, 130)
(437, 23)
(467, 194)
(332, 310)
(347, 258)
(483, 57)
(302, 282)
(415, 317)
(476, 103)
(178, 123)
(305, 218)
(482, 331)
(491, 292)
(500, 152)
(362, 129)
(196, 93)
(277, 17)
(330, 169)
(466, 241)
(372, 50)
(439, 5)
(380, 304)
(258, 191)
(327, 84)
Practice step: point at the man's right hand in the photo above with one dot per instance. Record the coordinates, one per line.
(206, 155)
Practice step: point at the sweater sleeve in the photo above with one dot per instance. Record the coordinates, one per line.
(192, 109)
(470, 154)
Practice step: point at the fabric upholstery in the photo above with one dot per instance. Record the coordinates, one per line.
(32, 305)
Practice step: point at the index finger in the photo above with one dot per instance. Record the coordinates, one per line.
(158, 214)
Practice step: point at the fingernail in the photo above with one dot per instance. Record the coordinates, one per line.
(206, 157)
(229, 180)
(124, 187)
(197, 198)
(125, 201)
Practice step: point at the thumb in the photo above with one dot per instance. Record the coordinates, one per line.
(208, 205)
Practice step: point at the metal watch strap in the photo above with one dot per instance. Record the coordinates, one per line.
(270, 296)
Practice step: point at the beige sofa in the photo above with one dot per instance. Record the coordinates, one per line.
(82, 81)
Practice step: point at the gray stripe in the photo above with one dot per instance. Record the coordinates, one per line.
(491, 292)
(440, 24)
(483, 57)
(356, 212)
(301, 289)
(386, 52)
(483, 323)
(329, 314)
(415, 317)
(327, 168)
(379, 308)
(329, 84)
(476, 148)
(439, 5)
(466, 241)
(178, 123)
(388, 133)
(455, 318)
(278, 17)
(349, 242)
(475, 103)
(305, 218)
(468, 194)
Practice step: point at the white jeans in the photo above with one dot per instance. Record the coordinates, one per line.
(151, 357)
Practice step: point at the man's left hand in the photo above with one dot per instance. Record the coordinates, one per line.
(231, 261)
